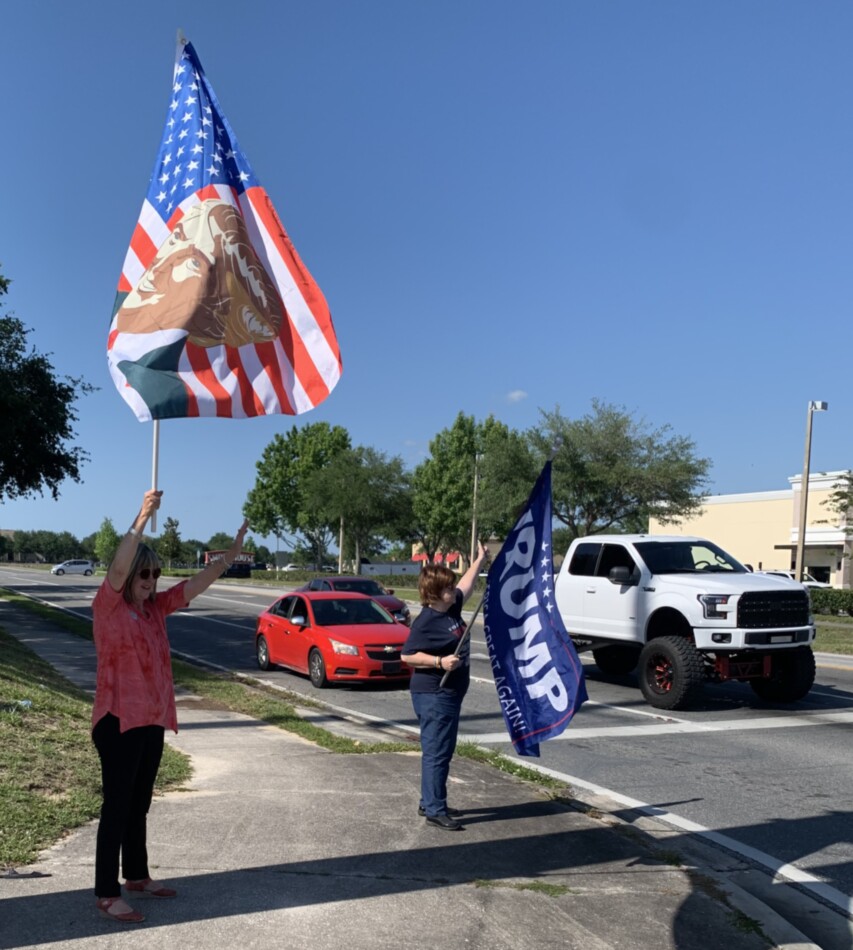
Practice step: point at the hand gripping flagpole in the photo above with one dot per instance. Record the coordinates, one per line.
(464, 638)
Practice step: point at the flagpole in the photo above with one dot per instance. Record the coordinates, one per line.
(464, 637)
(155, 461)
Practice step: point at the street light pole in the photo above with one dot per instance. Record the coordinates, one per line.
(804, 487)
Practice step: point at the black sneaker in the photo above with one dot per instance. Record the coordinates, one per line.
(453, 812)
(445, 822)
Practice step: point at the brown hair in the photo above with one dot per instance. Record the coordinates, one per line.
(433, 579)
(145, 557)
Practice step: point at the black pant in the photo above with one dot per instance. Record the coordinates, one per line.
(129, 763)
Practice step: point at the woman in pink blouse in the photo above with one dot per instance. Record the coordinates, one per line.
(134, 705)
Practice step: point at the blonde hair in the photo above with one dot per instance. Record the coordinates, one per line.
(432, 581)
(144, 557)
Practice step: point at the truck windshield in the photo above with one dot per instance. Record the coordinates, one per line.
(687, 557)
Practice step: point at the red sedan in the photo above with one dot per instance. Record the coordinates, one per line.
(331, 636)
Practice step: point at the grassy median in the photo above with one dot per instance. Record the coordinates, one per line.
(49, 772)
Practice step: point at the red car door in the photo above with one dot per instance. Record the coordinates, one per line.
(297, 640)
(272, 626)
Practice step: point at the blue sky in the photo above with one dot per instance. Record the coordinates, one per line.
(508, 207)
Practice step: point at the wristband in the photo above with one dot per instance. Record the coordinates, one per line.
(134, 532)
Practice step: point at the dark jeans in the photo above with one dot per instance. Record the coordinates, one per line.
(129, 763)
(438, 715)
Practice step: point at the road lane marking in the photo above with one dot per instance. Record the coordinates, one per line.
(680, 727)
(779, 868)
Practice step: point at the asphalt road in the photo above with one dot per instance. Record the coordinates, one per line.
(775, 779)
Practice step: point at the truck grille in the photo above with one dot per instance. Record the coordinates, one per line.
(781, 608)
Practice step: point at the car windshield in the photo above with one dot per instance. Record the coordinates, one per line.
(359, 586)
(335, 613)
(687, 557)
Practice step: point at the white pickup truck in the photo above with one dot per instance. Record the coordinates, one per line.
(681, 611)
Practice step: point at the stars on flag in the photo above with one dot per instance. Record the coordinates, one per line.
(197, 126)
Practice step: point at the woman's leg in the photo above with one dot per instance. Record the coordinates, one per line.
(438, 715)
(119, 754)
(134, 846)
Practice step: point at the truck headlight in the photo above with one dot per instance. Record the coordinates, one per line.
(715, 606)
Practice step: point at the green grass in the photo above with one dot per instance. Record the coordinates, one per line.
(834, 634)
(49, 771)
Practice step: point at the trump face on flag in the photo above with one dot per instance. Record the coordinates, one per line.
(215, 313)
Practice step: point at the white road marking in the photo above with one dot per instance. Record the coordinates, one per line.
(195, 615)
(680, 727)
(780, 869)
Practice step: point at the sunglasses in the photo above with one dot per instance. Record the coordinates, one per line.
(146, 572)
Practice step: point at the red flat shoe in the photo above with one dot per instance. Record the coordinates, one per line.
(115, 908)
(149, 888)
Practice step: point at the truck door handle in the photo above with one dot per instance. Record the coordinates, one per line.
(590, 590)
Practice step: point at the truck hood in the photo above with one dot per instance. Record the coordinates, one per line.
(723, 583)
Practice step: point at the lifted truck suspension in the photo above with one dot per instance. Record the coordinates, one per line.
(735, 667)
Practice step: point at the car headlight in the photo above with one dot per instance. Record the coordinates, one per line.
(715, 606)
(347, 648)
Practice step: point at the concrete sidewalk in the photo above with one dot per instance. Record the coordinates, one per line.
(277, 843)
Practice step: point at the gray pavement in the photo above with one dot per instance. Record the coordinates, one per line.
(278, 843)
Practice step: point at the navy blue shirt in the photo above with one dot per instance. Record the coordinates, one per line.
(438, 634)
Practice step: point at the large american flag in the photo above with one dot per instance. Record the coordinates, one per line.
(215, 313)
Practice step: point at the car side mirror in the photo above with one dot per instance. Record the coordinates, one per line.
(620, 576)
(298, 621)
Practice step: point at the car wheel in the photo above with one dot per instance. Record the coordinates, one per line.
(792, 674)
(87, 573)
(60, 573)
(671, 671)
(317, 669)
(262, 650)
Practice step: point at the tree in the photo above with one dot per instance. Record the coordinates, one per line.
(169, 545)
(507, 472)
(220, 541)
(365, 493)
(190, 548)
(612, 472)
(840, 503)
(46, 546)
(443, 487)
(277, 503)
(36, 418)
(106, 542)
(443, 502)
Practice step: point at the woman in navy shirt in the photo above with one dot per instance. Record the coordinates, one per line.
(430, 651)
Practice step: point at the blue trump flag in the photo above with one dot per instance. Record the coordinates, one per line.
(538, 675)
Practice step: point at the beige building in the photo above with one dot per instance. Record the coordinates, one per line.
(762, 528)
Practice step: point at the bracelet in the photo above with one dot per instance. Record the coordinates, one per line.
(134, 532)
(438, 662)
(227, 564)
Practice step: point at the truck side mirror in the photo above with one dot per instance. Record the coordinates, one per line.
(620, 576)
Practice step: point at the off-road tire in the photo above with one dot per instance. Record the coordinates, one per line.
(671, 672)
(616, 660)
(792, 674)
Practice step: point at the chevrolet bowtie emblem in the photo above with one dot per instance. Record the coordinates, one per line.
(389, 649)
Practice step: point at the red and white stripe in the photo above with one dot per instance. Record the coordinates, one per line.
(290, 375)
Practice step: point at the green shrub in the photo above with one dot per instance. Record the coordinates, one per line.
(827, 600)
